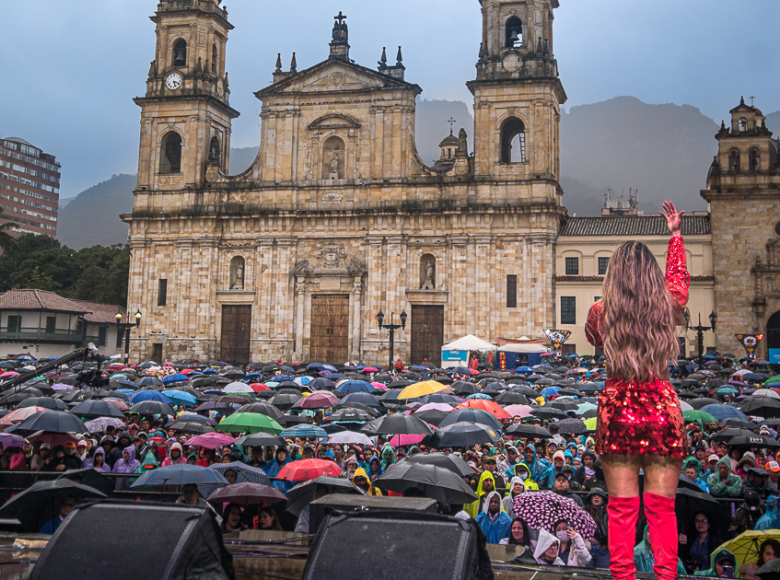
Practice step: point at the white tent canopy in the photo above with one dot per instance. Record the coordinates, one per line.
(469, 343)
(524, 348)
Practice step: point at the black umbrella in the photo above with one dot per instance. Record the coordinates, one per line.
(261, 408)
(290, 420)
(753, 440)
(190, 425)
(96, 408)
(351, 415)
(365, 408)
(571, 427)
(462, 435)
(439, 398)
(41, 502)
(569, 392)
(730, 433)
(151, 408)
(260, 440)
(512, 398)
(530, 431)
(91, 478)
(761, 406)
(366, 399)
(284, 401)
(563, 405)
(451, 462)
(548, 412)
(463, 388)
(434, 482)
(469, 415)
(304, 493)
(397, 424)
(737, 422)
(51, 422)
(432, 416)
(45, 402)
(399, 385)
(321, 383)
(690, 502)
(770, 570)
(686, 483)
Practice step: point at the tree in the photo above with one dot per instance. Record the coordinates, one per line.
(6, 239)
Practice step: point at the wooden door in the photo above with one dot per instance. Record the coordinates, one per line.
(236, 334)
(329, 328)
(157, 353)
(427, 334)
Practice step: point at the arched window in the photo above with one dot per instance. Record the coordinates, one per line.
(237, 266)
(170, 160)
(214, 56)
(754, 159)
(743, 124)
(215, 152)
(333, 158)
(180, 52)
(427, 272)
(734, 160)
(513, 141)
(514, 33)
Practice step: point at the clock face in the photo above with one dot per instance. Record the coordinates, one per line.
(220, 88)
(173, 81)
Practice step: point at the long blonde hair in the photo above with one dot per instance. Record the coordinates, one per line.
(640, 315)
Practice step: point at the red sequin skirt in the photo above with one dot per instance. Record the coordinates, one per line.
(640, 418)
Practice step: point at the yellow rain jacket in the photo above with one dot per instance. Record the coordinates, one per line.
(475, 508)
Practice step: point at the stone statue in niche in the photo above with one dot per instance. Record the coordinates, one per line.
(428, 273)
(334, 167)
(237, 273)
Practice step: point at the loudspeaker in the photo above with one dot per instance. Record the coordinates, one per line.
(397, 545)
(345, 503)
(125, 540)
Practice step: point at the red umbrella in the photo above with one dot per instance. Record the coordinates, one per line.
(248, 493)
(317, 401)
(211, 440)
(486, 405)
(259, 387)
(307, 469)
(19, 415)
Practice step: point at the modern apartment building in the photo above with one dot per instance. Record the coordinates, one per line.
(29, 187)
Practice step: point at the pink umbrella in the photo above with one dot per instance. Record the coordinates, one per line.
(319, 400)
(211, 440)
(518, 410)
(443, 407)
(8, 375)
(379, 386)
(370, 370)
(401, 440)
(121, 405)
(19, 415)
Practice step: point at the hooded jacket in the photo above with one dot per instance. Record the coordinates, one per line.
(537, 469)
(496, 527)
(733, 485)
(374, 460)
(716, 555)
(360, 472)
(150, 462)
(129, 466)
(388, 456)
(530, 484)
(509, 501)
(644, 559)
(90, 461)
(116, 453)
(546, 539)
(771, 519)
(474, 508)
(702, 483)
(273, 468)
(169, 461)
(581, 473)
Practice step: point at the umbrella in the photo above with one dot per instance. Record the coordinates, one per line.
(91, 478)
(746, 546)
(703, 416)
(317, 401)
(703, 402)
(243, 473)
(99, 425)
(190, 425)
(262, 409)
(45, 402)
(470, 415)
(543, 509)
(349, 438)
(250, 423)
(11, 440)
(96, 408)
(490, 406)
(463, 435)
(564, 405)
(50, 422)
(549, 413)
(180, 397)
(41, 502)
(397, 424)
(362, 398)
(418, 390)
(689, 502)
(351, 415)
(304, 493)
(284, 401)
(175, 378)
(725, 412)
(519, 410)
(730, 433)
(305, 431)
(753, 440)
(434, 482)
(355, 387)
(149, 395)
(179, 474)
(260, 440)
(306, 469)
(19, 415)
(530, 431)
(151, 408)
(211, 440)
(451, 462)
(247, 493)
(761, 407)
(432, 416)
(571, 426)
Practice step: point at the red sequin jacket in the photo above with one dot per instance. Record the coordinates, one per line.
(677, 282)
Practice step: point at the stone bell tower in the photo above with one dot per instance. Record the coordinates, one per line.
(517, 98)
(185, 114)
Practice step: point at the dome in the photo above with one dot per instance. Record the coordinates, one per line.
(449, 140)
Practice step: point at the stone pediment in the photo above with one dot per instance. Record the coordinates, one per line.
(335, 75)
(335, 121)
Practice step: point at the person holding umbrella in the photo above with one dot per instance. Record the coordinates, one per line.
(640, 425)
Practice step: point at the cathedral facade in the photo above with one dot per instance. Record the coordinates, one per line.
(338, 218)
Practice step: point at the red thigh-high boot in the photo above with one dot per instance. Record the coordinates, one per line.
(662, 522)
(622, 513)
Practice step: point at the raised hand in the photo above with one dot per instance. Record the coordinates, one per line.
(673, 218)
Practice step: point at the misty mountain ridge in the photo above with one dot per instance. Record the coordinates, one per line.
(663, 151)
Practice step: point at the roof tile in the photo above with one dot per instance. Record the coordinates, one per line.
(648, 225)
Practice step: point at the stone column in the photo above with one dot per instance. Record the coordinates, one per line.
(300, 301)
(355, 346)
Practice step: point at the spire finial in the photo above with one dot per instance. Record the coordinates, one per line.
(399, 58)
(383, 60)
(452, 123)
(278, 63)
(293, 64)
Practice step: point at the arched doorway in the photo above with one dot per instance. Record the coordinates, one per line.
(773, 339)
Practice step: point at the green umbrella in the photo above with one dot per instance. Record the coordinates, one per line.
(772, 380)
(695, 415)
(250, 423)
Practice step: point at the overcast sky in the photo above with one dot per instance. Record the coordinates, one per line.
(70, 69)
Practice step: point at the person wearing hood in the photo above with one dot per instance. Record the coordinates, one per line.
(522, 471)
(721, 561)
(361, 481)
(388, 457)
(756, 481)
(273, 468)
(175, 457)
(691, 471)
(375, 467)
(596, 506)
(125, 440)
(149, 463)
(492, 520)
(644, 559)
(771, 519)
(538, 471)
(97, 462)
(59, 461)
(724, 483)
(746, 516)
(485, 485)
(574, 550)
(516, 487)
(586, 472)
(512, 459)
(127, 464)
(351, 465)
(546, 552)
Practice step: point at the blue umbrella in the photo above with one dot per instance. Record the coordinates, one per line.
(287, 369)
(469, 415)
(305, 431)
(125, 392)
(179, 474)
(548, 391)
(148, 382)
(479, 396)
(524, 369)
(140, 396)
(210, 372)
(124, 383)
(355, 387)
(180, 397)
(460, 371)
(721, 412)
(175, 378)
(281, 378)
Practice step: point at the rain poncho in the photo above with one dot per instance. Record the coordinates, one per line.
(771, 519)
(90, 461)
(360, 472)
(474, 508)
(379, 471)
(150, 462)
(539, 471)
(644, 559)
(129, 466)
(530, 484)
(496, 527)
(733, 485)
(716, 555)
(699, 481)
(273, 468)
(509, 500)
(388, 456)
(546, 539)
(169, 461)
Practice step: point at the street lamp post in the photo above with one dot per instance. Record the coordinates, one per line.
(125, 327)
(700, 330)
(392, 328)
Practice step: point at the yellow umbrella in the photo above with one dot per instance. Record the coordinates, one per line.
(590, 424)
(418, 390)
(746, 545)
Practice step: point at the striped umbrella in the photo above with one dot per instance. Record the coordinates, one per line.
(305, 431)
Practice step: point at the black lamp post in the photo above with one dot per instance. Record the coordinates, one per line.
(700, 330)
(392, 328)
(126, 326)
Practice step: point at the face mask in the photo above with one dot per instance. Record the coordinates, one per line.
(523, 476)
(562, 536)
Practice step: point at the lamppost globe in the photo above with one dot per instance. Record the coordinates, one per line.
(713, 319)
(138, 317)
(118, 316)
(403, 319)
(380, 318)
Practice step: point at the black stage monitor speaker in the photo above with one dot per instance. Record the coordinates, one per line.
(136, 541)
(397, 545)
(346, 503)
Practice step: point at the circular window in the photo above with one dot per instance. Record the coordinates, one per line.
(777, 229)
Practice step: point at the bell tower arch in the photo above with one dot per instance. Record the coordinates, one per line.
(186, 108)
